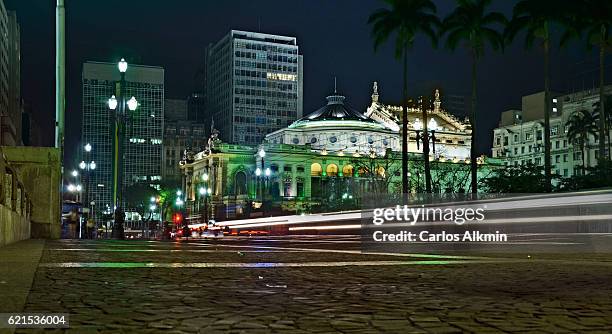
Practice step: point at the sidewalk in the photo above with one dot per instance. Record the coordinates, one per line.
(18, 264)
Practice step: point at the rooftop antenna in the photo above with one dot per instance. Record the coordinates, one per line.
(335, 91)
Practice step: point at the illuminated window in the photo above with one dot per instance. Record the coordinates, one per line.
(316, 169)
(347, 170)
(332, 170)
(281, 76)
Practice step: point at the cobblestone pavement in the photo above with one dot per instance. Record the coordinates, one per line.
(302, 285)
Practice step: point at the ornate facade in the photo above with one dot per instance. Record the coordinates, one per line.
(325, 160)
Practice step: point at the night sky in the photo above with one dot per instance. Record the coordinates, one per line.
(332, 35)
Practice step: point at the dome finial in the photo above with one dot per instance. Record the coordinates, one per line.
(335, 91)
(375, 92)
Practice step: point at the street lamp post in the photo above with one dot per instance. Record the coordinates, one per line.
(119, 104)
(86, 167)
(205, 190)
(266, 172)
(76, 190)
(179, 205)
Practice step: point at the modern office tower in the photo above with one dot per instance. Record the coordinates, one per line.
(14, 72)
(253, 85)
(180, 133)
(31, 133)
(175, 109)
(10, 78)
(457, 105)
(143, 135)
(196, 108)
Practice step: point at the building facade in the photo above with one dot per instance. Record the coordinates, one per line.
(182, 132)
(10, 79)
(519, 139)
(253, 85)
(324, 160)
(144, 130)
(196, 109)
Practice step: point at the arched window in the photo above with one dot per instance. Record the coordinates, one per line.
(241, 183)
(332, 170)
(316, 169)
(363, 172)
(347, 171)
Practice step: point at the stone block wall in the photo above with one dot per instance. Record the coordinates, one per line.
(29, 193)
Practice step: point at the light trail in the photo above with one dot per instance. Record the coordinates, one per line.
(538, 201)
(129, 265)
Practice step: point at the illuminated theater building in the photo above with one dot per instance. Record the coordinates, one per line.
(327, 159)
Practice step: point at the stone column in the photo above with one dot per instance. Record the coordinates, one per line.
(294, 181)
(2, 178)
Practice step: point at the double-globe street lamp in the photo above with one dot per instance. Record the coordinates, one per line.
(205, 191)
(266, 172)
(76, 189)
(117, 105)
(179, 203)
(86, 167)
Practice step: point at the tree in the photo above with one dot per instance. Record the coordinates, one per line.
(580, 125)
(378, 171)
(527, 178)
(608, 120)
(599, 176)
(138, 197)
(168, 197)
(405, 19)
(596, 16)
(471, 23)
(536, 18)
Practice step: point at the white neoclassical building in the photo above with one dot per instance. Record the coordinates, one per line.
(338, 128)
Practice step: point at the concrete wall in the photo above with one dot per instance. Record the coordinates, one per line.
(15, 205)
(38, 169)
(13, 226)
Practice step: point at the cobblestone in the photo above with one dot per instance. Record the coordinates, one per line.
(497, 297)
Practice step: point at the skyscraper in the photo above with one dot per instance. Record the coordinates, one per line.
(143, 137)
(253, 85)
(14, 72)
(10, 78)
(181, 131)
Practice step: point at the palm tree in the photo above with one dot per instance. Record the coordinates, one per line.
(406, 19)
(470, 23)
(580, 125)
(607, 115)
(597, 21)
(536, 17)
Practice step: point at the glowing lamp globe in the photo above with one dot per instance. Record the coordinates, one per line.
(122, 65)
(112, 103)
(132, 104)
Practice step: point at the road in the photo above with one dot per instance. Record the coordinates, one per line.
(315, 284)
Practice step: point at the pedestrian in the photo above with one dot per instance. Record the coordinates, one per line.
(90, 228)
(72, 224)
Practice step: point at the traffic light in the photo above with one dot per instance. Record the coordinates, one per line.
(178, 218)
